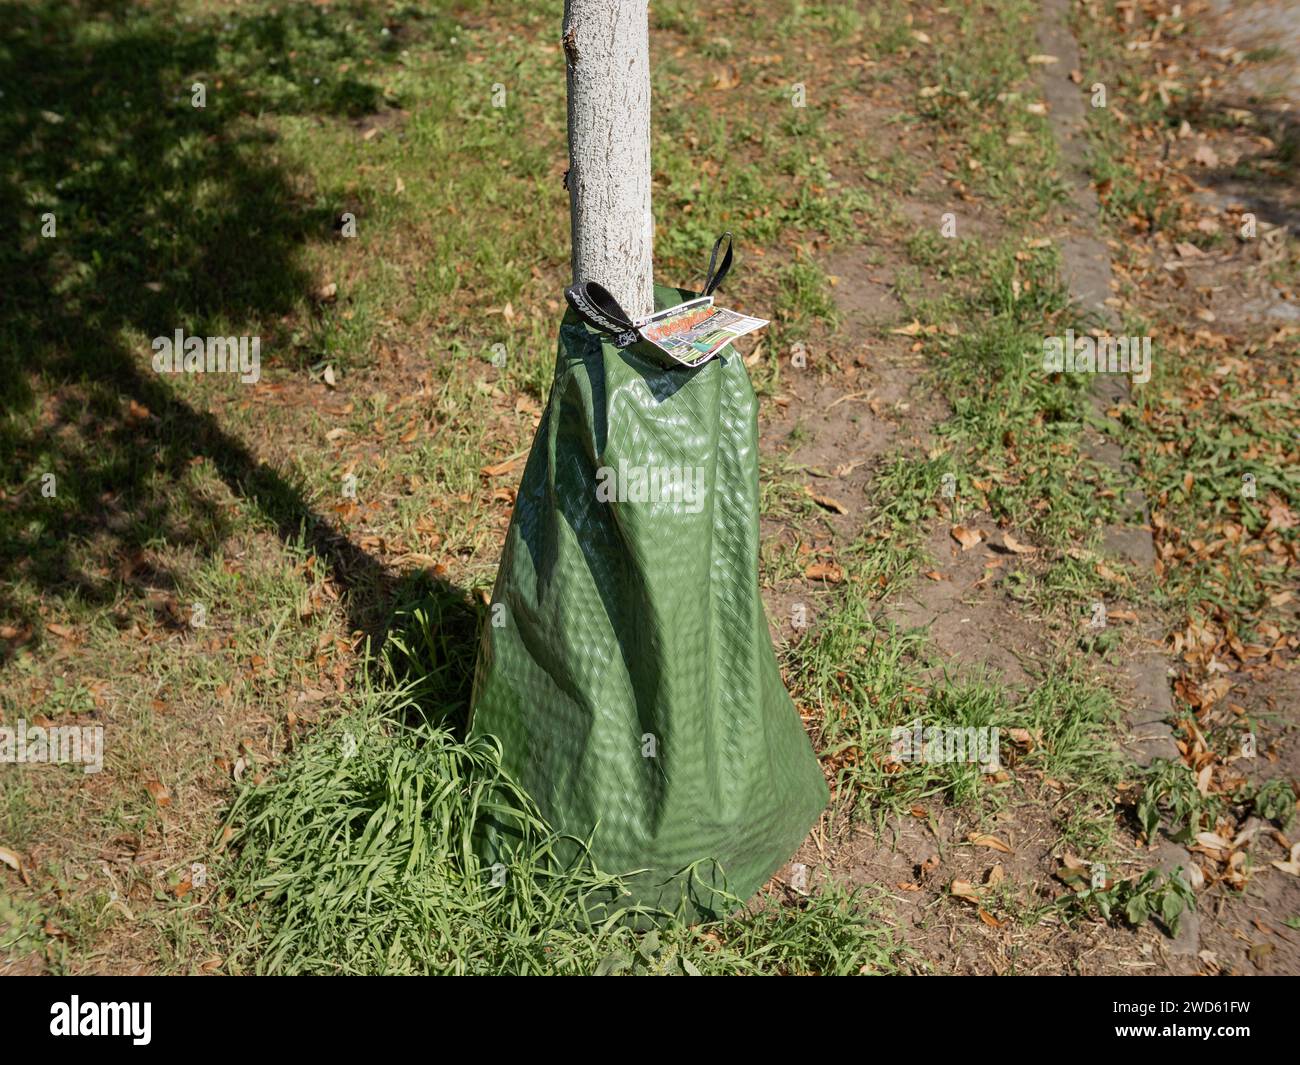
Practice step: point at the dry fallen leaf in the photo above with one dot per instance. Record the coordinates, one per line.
(1015, 546)
(1021, 737)
(968, 538)
(829, 502)
(983, 839)
(159, 791)
(825, 571)
(504, 466)
(1108, 574)
(1293, 866)
(11, 859)
(964, 889)
(1213, 841)
(726, 77)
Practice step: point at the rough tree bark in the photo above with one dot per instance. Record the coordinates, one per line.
(607, 55)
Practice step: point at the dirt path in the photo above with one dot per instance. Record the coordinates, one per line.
(974, 624)
(1143, 672)
(860, 408)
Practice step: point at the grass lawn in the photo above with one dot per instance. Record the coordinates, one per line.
(268, 594)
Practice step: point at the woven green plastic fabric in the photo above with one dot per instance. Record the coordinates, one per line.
(628, 671)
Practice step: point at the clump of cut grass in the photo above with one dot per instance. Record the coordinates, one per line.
(359, 857)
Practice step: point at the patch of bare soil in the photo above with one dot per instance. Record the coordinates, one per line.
(1217, 276)
(972, 899)
(967, 895)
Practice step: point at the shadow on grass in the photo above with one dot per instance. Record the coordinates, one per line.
(1266, 181)
(165, 216)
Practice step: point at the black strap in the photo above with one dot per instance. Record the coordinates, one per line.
(715, 279)
(596, 306)
(599, 309)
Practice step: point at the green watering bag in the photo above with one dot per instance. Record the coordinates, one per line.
(627, 670)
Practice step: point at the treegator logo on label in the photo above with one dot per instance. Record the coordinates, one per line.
(182, 354)
(75, 1017)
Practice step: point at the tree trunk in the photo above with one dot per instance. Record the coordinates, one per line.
(607, 55)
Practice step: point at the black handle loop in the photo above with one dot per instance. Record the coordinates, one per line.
(596, 306)
(713, 280)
